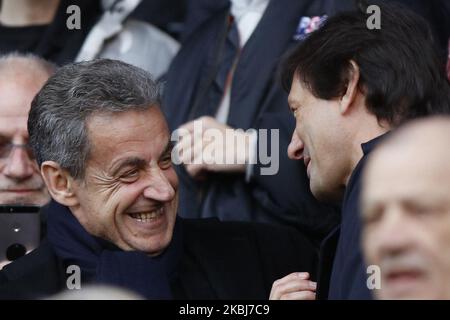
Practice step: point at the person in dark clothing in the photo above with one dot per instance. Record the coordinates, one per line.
(345, 96)
(435, 12)
(104, 151)
(63, 32)
(235, 54)
(199, 11)
(216, 261)
(230, 64)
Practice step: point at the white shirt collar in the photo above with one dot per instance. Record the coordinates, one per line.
(238, 7)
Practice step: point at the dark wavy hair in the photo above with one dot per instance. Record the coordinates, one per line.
(401, 74)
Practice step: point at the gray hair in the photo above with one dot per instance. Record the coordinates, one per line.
(57, 123)
(32, 63)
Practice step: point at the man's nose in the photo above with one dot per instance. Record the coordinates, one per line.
(159, 187)
(394, 231)
(19, 166)
(295, 148)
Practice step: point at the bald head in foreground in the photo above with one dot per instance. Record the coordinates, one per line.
(406, 212)
(21, 77)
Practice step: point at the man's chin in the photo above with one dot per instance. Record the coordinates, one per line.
(326, 196)
(408, 290)
(37, 198)
(153, 246)
(151, 241)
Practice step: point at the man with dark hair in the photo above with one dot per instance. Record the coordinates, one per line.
(230, 85)
(349, 85)
(104, 152)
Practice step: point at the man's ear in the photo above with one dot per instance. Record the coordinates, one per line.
(352, 88)
(59, 183)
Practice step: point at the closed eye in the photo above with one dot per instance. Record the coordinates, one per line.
(130, 176)
(165, 162)
(372, 215)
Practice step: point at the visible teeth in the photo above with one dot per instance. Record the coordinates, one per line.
(146, 216)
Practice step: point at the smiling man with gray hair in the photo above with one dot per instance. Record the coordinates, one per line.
(103, 148)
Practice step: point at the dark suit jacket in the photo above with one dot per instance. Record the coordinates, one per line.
(257, 101)
(342, 270)
(232, 260)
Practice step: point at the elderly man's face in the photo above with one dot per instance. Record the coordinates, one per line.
(406, 215)
(129, 194)
(20, 179)
(317, 140)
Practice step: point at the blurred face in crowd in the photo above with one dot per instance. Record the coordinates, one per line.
(20, 179)
(318, 141)
(129, 193)
(406, 214)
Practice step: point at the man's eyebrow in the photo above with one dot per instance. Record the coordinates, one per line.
(128, 162)
(138, 162)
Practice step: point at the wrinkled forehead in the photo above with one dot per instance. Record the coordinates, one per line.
(415, 152)
(16, 97)
(143, 131)
(17, 90)
(15, 101)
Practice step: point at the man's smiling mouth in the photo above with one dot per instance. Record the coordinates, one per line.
(148, 215)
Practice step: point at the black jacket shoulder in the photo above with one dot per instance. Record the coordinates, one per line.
(221, 260)
(37, 274)
(241, 260)
(273, 240)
